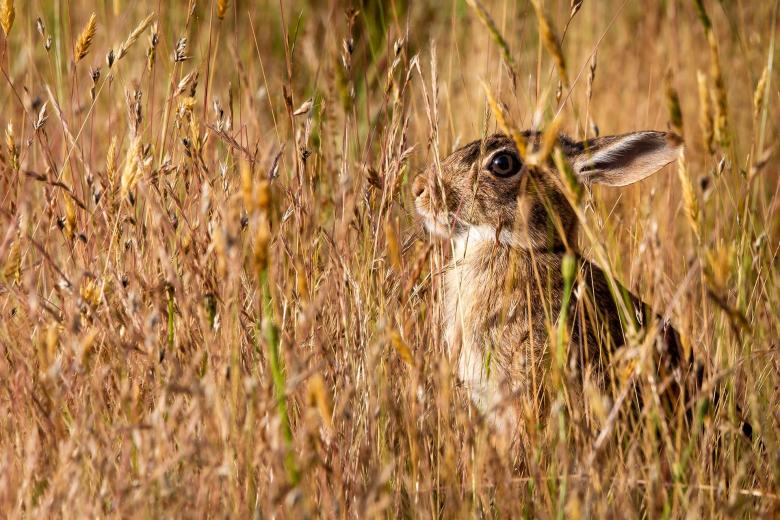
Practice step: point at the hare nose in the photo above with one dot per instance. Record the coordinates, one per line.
(419, 185)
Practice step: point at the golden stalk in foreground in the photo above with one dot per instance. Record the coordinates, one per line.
(689, 196)
(84, 41)
(673, 104)
(133, 37)
(506, 126)
(758, 96)
(705, 112)
(222, 6)
(7, 15)
(551, 42)
(12, 269)
(490, 25)
(719, 93)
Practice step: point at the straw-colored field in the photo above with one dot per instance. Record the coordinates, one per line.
(216, 300)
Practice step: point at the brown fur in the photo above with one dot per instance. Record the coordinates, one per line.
(504, 286)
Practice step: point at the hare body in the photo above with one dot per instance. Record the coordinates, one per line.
(510, 227)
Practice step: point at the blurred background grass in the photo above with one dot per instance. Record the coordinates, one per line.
(215, 298)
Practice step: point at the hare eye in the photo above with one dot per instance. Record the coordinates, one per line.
(504, 164)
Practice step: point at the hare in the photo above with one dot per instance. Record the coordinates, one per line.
(511, 226)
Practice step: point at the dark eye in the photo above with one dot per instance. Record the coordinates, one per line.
(504, 164)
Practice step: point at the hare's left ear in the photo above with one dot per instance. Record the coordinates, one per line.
(620, 160)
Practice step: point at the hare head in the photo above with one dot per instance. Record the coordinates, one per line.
(486, 192)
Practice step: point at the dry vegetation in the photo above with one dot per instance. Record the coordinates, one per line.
(215, 300)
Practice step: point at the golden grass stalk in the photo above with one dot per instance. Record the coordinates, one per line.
(490, 25)
(111, 161)
(705, 112)
(673, 104)
(301, 285)
(720, 263)
(186, 82)
(247, 185)
(550, 41)
(719, 93)
(702, 13)
(132, 168)
(84, 40)
(760, 92)
(7, 15)
(260, 250)
(401, 347)
(506, 126)
(70, 218)
(574, 7)
(568, 271)
(263, 196)
(90, 291)
(570, 181)
(689, 196)
(133, 37)
(12, 269)
(392, 245)
(318, 397)
(548, 142)
(151, 52)
(10, 145)
(592, 75)
(222, 6)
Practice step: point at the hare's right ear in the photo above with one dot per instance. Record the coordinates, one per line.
(620, 160)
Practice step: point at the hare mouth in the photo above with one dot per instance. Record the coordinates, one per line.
(444, 225)
(437, 224)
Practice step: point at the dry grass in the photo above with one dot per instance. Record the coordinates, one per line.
(215, 299)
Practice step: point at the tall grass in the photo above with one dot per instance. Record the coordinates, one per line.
(215, 298)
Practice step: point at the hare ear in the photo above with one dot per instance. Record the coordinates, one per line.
(624, 159)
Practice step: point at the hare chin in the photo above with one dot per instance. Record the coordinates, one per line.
(483, 233)
(438, 224)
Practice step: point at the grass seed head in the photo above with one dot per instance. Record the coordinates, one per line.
(393, 250)
(12, 270)
(705, 113)
(11, 148)
(673, 105)
(689, 196)
(132, 169)
(70, 218)
(551, 41)
(504, 123)
(758, 96)
(262, 239)
(180, 51)
(7, 15)
(151, 52)
(131, 39)
(222, 6)
(84, 41)
(111, 156)
(718, 93)
(719, 265)
(318, 398)
(490, 25)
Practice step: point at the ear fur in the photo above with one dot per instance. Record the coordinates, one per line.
(625, 159)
